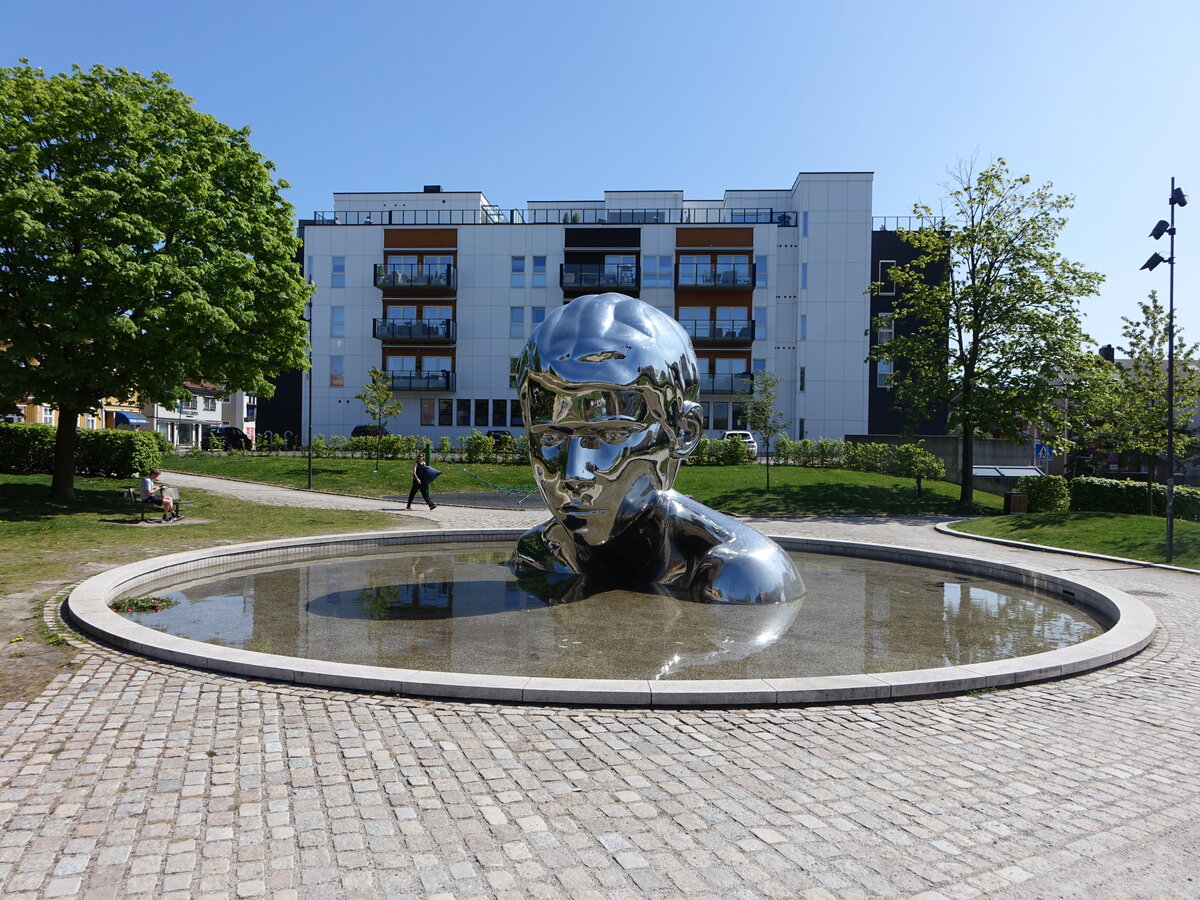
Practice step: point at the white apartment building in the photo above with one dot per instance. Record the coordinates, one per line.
(441, 289)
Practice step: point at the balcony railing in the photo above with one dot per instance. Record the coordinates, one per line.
(715, 276)
(415, 275)
(721, 330)
(491, 215)
(598, 275)
(416, 329)
(423, 381)
(727, 384)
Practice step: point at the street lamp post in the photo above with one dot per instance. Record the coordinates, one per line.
(309, 319)
(1178, 198)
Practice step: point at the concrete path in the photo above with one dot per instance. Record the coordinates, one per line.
(137, 779)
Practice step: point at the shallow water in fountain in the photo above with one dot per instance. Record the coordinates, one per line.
(459, 609)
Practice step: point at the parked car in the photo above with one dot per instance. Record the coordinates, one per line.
(226, 437)
(369, 431)
(497, 434)
(746, 438)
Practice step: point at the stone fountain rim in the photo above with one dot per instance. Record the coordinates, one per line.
(1132, 628)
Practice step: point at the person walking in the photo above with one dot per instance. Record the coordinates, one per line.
(421, 478)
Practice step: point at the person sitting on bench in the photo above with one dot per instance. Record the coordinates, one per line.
(158, 496)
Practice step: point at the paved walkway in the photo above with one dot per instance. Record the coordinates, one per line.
(137, 779)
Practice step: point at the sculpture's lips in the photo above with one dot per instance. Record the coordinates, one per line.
(575, 517)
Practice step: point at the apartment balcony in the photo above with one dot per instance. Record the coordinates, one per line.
(590, 278)
(414, 277)
(432, 331)
(721, 332)
(423, 381)
(727, 384)
(715, 277)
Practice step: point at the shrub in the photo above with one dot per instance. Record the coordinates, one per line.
(1108, 495)
(731, 451)
(869, 458)
(478, 446)
(1046, 493)
(444, 446)
(914, 461)
(26, 448)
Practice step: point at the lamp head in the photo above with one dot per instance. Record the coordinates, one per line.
(1153, 262)
(1160, 229)
(1178, 197)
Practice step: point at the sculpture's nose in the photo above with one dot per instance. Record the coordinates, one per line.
(579, 467)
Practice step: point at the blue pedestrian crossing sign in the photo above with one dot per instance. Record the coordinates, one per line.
(1042, 452)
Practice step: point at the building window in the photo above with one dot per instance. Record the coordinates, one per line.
(760, 322)
(337, 371)
(516, 321)
(499, 413)
(308, 268)
(539, 271)
(515, 419)
(514, 367)
(537, 316)
(190, 402)
(887, 287)
(481, 413)
(800, 429)
(517, 278)
(621, 269)
(695, 269)
(338, 278)
(47, 415)
(337, 321)
(800, 380)
(463, 412)
(656, 271)
(804, 328)
(760, 271)
(428, 408)
(696, 321)
(739, 416)
(89, 421)
(803, 275)
(885, 329)
(758, 365)
(720, 415)
(883, 373)
(446, 412)
(210, 404)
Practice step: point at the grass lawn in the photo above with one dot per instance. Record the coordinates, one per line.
(45, 547)
(352, 476)
(1113, 534)
(735, 489)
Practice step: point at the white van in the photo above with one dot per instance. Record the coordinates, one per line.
(746, 438)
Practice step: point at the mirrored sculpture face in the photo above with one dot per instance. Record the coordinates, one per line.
(608, 388)
(598, 454)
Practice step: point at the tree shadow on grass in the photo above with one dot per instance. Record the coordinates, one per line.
(31, 502)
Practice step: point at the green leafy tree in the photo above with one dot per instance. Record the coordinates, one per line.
(1136, 421)
(143, 244)
(914, 461)
(986, 317)
(763, 414)
(377, 400)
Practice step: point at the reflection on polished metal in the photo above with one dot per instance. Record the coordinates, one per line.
(608, 388)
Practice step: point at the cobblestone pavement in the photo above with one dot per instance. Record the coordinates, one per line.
(137, 779)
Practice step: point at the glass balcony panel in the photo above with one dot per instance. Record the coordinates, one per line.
(416, 329)
(415, 275)
(423, 381)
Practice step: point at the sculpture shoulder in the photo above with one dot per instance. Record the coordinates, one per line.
(538, 549)
(740, 565)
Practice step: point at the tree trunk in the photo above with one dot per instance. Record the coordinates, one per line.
(966, 494)
(62, 483)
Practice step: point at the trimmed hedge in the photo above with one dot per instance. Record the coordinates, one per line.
(1109, 495)
(28, 449)
(1046, 493)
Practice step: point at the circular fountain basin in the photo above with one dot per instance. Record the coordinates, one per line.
(450, 622)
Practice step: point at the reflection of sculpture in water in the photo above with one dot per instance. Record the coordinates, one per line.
(608, 388)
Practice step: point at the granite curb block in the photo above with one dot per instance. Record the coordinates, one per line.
(944, 528)
(1132, 628)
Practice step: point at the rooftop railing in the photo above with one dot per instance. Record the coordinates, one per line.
(558, 216)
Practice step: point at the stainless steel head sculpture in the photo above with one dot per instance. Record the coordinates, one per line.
(608, 387)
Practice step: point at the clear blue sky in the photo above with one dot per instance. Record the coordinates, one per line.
(564, 99)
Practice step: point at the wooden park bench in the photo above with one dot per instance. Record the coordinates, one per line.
(134, 495)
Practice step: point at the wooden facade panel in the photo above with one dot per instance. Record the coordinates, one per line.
(420, 238)
(714, 237)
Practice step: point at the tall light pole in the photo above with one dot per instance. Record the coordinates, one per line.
(1178, 198)
(309, 319)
